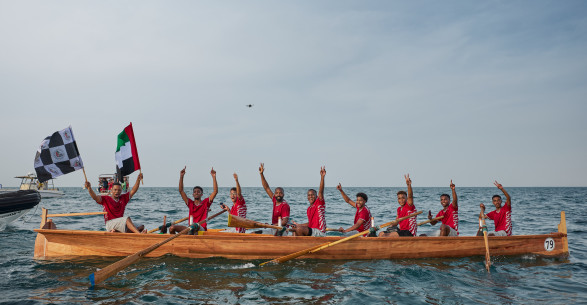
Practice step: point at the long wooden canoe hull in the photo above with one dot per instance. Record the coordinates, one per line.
(67, 243)
(52, 243)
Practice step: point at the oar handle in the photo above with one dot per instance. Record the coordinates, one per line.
(102, 274)
(326, 245)
(430, 220)
(169, 224)
(391, 223)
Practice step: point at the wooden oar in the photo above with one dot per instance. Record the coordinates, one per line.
(110, 270)
(330, 244)
(169, 224)
(484, 228)
(239, 222)
(430, 220)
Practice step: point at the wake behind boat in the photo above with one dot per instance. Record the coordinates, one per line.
(15, 204)
(57, 243)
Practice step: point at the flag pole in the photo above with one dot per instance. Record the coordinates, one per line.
(140, 172)
(85, 177)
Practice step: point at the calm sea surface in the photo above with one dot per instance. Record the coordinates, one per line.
(173, 280)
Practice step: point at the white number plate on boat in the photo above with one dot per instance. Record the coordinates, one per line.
(549, 244)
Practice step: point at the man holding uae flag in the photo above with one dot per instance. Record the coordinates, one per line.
(127, 161)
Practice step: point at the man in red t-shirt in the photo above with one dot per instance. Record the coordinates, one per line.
(406, 227)
(362, 214)
(316, 225)
(450, 211)
(239, 207)
(114, 206)
(198, 208)
(502, 216)
(280, 206)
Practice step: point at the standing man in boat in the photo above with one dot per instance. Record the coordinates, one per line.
(239, 207)
(198, 208)
(450, 223)
(502, 216)
(114, 206)
(280, 206)
(406, 207)
(362, 215)
(316, 225)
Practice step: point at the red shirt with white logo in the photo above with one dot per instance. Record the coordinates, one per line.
(451, 217)
(410, 223)
(503, 219)
(239, 208)
(281, 210)
(199, 212)
(114, 208)
(316, 215)
(365, 215)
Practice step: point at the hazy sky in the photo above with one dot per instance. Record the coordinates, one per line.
(473, 91)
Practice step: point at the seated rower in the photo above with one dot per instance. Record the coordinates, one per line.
(316, 225)
(362, 215)
(280, 206)
(406, 207)
(198, 208)
(450, 211)
(114, 206)
(502, 216)
(239, 207)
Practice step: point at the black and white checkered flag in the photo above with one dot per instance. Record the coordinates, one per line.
(58, 155)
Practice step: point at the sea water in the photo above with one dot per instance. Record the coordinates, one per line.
(172, 280)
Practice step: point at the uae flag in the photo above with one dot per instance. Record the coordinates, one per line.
(58, 155)
(127, 156)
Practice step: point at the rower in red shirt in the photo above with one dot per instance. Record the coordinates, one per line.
(239, 207)
(114, 206)
(406, 207)
(280, 206)
(362, 214)
(316, 225)
(502, 216)
(450, 211)
(198, 208)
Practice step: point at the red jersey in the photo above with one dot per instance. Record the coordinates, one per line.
(281, 210)
(365, 215)
(503, 219)
(451, 217)
(410, 223)
(239, 208)
(114, 209)
(316, 215)
(199, 212)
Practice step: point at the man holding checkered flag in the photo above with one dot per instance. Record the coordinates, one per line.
(58, 155)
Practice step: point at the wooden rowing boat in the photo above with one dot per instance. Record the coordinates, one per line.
(53, 243)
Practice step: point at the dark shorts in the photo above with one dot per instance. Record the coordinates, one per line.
(399, 232)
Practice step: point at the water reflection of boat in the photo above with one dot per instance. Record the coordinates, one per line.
(15, 204)
(47, 189)
(54, 243)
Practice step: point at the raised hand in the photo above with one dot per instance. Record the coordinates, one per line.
(213, 172)
(140, 177)
(429, 214)
(339, 187)
(235, 176)
(88, 185)
(323, 171)
(482, 206)
(261, 168)
(499, 186)
(182, 172)
(452, 185)
(408, 180)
